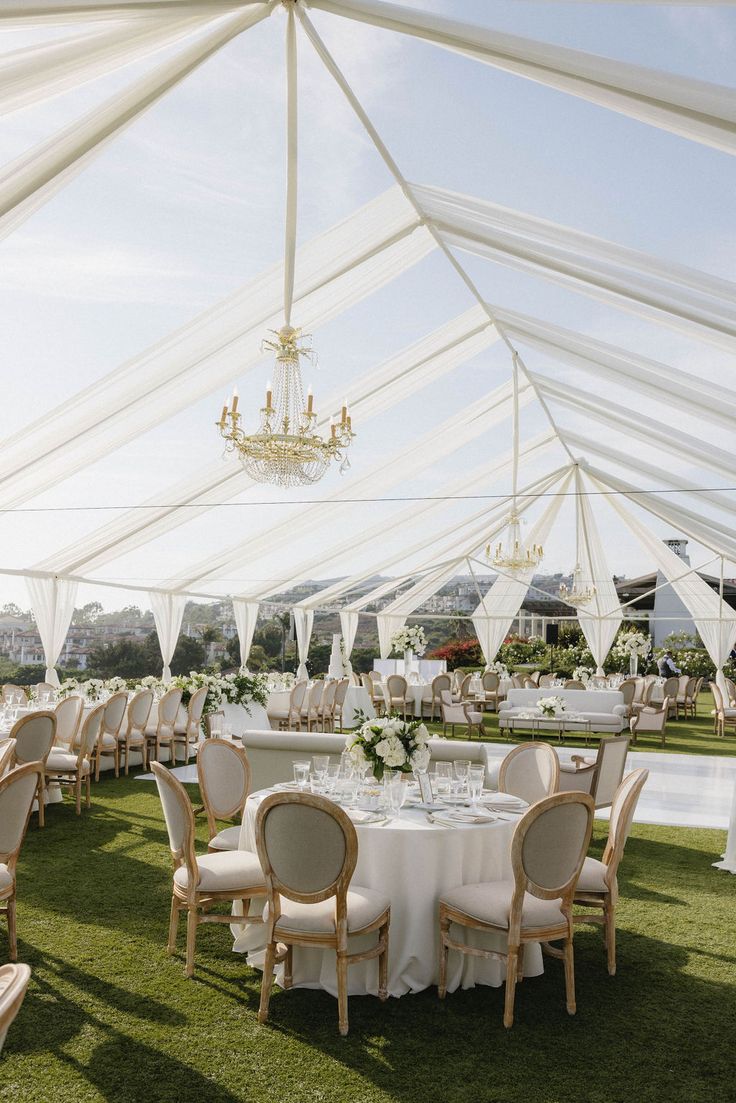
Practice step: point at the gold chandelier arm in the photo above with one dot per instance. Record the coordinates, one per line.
(291, 163)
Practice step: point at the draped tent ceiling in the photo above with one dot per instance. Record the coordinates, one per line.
(347, 264)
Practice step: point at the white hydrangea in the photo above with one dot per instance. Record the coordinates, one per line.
(391, 750)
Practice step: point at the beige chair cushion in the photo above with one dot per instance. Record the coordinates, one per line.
(491, 903)
(108, 742)
(365, 906)
(6, 878)
(592, 876)
(63, 762)
(227, 839)
(228, 871)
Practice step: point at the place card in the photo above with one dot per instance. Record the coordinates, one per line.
(425, 788)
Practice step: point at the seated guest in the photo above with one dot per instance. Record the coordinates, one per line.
(666, 665)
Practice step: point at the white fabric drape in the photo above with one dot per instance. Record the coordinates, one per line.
(692, 108)
(633, 423)
(168, 611)
(34, 74)
(303, 622)
(336, 269)
(495, 613)
(601, 618)
(394, 616)
(690, 393)
(693, 302)
(430, 448)
(348, 627)
(246, 616)
(34, 177)
(714, 620)
(52, 602)
(29, 13)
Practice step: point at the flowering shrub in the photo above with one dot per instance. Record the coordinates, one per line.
(465, 653)
(390, 743)
(409, 638)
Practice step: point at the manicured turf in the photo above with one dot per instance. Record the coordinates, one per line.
(110, 1017)
(683, 736)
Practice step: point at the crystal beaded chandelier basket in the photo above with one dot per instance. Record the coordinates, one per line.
(577, 593)
(286, 449)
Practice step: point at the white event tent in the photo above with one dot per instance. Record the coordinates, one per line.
(342, 267)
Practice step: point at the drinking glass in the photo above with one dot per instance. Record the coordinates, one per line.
(476, 777)
(395, 792)
(331, 776)
(320, 762)
(462, 765)
(442, 778)
(301, 774)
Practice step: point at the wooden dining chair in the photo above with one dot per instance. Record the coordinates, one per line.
(7, 756)
(14, 980)
(339, 706)
(74, 767)
(107, 741)
(491, 689)
(597, 886)
(68, 717)
(397, 694)
(188, 734)
(200, 882)
(598, 775)
(18, 790)
(313, 704)
(326, 709)
(530, 771)
(132, 737)
(308, 848)
(161, 733)
(34, 738)
(547, 853)
(224, 776)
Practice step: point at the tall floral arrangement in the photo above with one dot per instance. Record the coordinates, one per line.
(409, 638)
(632, 643)
(390, 743)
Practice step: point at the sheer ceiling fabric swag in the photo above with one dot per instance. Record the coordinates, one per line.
(430, 447)
(714, 620)
(424, 513)
(496, 611)
(246, 618)
(168, 612)
(33, 178)
(337, 269)
(303, 624)
(693, 109)
(423, 362)
(34, 74)
(348, 628)
(26, 13)
(52, 603)
(686, 299)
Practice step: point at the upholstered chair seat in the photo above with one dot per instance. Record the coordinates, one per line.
(491, 903)
(63, 761)
(227, 839)
(592, 876)
(228, 871)
(6, 880)
(365, 908)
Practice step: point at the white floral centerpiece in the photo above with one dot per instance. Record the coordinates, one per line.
(497, 668)
(633, 646)
(390, 743)
(551, 706)
(409, 638)
(582, 674)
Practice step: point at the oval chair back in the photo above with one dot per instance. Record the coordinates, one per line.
(7, 756)
(14, 980)
(548, 850)
(531, 772)
(90, 733)
(396, 687)
(168, 707)
(490, 681)
(179, 818)
(18, 790)
(366, 683)
(628, 690)
(573, 683)
(341, 691)
(297, 695)
(194, 712)
(34, 737)
(114, 711)
(623, 808)
(610, 766)
(223, 772)
(139, 711)
(68, 715)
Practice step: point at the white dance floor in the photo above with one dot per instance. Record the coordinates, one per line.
(683, 790)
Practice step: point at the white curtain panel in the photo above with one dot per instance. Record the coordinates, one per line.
(633, 423)
(693, 302)
(348, 627)
(692, 108)
(52, 602)
(714, 619)
(429, 448)
(706, 531)
(33, 178)
(406, 519)
(303, 622)
(393, 617)
(495, 614)
(34, 74)
(601, 618)
(168, 611)
(692, 394)
(386, 628)
(335, 270)
(246, 617)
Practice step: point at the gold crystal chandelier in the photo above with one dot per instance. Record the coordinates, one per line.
(512, 555)
(577, 593)
(287, 449)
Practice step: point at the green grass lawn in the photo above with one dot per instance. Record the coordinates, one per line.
(109, 1016)
(683, 736)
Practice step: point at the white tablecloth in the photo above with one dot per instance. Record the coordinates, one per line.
(412, 862)
(356, 698)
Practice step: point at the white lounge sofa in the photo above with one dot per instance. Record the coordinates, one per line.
(604, 709)
(271, 754)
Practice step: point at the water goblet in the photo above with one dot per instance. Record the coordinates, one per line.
(320, 762)
(332, 775)
(301, 774)
(462, 765)
(395, 792)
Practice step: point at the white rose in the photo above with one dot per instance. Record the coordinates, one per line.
(421, 735)
(420, 759)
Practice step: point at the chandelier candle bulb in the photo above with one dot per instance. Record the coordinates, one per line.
(269, 395)
(310, 400)
(235, 400)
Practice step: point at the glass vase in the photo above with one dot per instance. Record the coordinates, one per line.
(633, 665)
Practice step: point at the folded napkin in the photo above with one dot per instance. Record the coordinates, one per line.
(454, 819)
(359, 815)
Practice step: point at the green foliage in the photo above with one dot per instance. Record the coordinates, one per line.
(459, 653)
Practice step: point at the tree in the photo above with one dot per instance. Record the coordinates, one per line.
(12, 610)
(88, 614)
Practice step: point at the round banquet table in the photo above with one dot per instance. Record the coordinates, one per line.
(412, 861)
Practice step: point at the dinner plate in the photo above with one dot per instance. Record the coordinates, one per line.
(360, 816)
(503, 800)
(290, 785)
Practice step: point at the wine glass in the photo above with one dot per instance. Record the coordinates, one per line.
(462, 765)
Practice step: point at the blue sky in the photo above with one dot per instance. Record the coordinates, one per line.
(187, 205)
